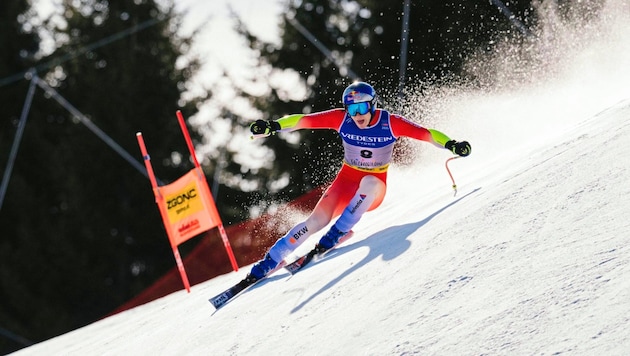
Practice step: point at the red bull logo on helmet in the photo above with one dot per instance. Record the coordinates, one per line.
(357, 97)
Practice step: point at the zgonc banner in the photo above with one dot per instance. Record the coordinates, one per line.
(186, 205)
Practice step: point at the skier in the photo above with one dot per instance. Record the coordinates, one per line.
(368, 135)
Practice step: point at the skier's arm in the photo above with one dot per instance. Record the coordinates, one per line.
(330, 119)
(404, 127)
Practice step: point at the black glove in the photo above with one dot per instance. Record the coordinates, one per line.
(458, 148)
(262, 127)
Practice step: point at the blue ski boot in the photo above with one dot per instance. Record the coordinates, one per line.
(262, 268)
(329, 240)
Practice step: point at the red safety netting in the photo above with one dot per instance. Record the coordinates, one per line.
(249, 241)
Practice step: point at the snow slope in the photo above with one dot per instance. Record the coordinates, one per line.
(530, 257)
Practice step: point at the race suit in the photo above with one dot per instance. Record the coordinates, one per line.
(360, 184)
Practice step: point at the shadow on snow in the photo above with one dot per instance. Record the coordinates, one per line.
(389, 243)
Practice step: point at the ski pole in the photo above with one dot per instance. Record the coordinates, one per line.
(450, 174)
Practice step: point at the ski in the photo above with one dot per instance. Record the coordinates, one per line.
(301, 262)
(226, 296)
(229, 294)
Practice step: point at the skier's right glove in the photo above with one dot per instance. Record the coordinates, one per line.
(458, 148)
(262, 127)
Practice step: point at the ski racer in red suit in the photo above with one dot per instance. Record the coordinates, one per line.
(368, 135)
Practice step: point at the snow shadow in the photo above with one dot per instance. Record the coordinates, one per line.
(388, 243)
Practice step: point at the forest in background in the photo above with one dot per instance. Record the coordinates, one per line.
(80, 230)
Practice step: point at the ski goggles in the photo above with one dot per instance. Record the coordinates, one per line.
(358, 108)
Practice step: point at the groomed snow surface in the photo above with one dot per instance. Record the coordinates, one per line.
(531, 257)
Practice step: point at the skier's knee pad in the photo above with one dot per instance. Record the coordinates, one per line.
(360, 203)
(375, 188)
(370, 184)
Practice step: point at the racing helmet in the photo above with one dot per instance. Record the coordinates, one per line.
(359, 92)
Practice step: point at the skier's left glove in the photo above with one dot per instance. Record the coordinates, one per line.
(262, 127)
(459, 148)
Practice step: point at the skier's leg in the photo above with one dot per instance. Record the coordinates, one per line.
(369, 196)
(338, 194)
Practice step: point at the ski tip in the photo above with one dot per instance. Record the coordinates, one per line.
(227, 295)
(219, 301)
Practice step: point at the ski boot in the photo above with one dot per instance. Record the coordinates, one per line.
(329, 240)
(262, 268)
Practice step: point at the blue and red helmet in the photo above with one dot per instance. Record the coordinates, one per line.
(359, 92)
